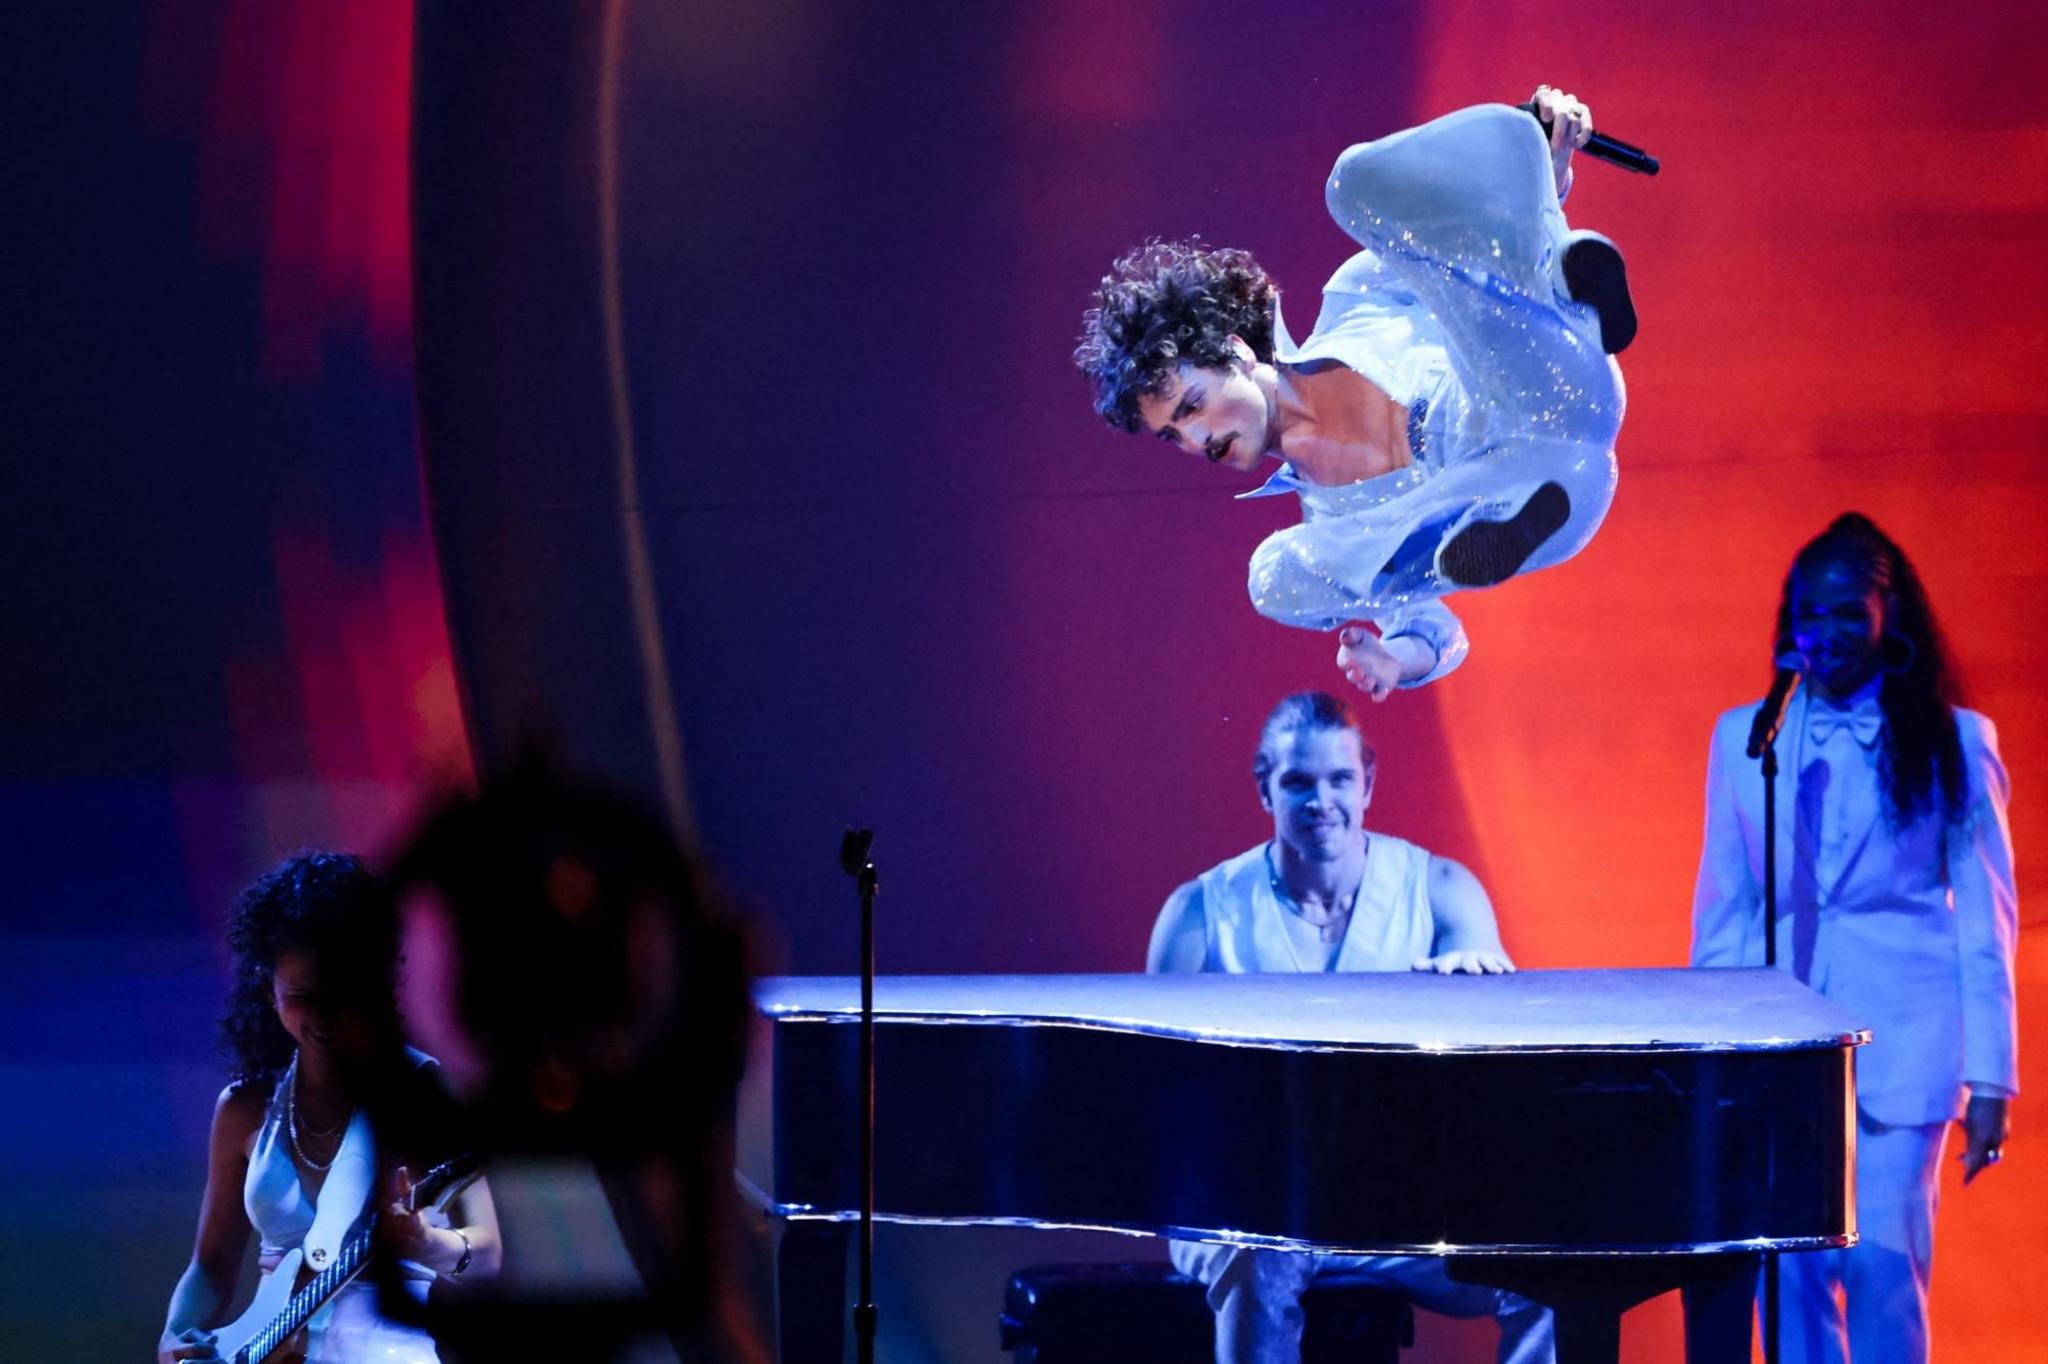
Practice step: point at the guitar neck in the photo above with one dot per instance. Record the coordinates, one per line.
(436, 1189)
(348, 1263)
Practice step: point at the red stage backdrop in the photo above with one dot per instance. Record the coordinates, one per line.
(908, 580)
(905, 577)
(1019, 645)
(1843, 274)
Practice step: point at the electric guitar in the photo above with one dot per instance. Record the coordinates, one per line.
(282, 1305)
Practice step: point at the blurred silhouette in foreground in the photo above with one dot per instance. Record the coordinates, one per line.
(588, 988)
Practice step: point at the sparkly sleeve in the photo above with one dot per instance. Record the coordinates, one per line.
(1298, 577)
(1433, 623)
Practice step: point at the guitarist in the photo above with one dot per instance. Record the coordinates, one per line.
(311, 1026)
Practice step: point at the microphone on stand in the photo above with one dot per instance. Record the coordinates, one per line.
(1612, 150)
(1763, 735)
(1770, 716)
(853, 850)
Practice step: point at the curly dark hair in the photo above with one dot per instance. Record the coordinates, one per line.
(1165, 302)
(325, 904)
(1921, 761)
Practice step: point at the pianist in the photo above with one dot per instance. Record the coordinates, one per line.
(1323, 894)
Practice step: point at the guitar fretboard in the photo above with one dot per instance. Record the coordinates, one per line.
(308, 1300)
(439, 1184)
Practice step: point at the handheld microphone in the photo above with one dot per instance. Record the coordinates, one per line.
(1612, 150)
(1770, 716)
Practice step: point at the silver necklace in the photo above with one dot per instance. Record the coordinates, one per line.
(1337, 920)
(291, 1122)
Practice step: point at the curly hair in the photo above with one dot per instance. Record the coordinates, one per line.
(1165, 302)
(1920, 764)
(325, 904)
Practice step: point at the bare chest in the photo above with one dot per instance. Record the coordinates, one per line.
(1351, 430)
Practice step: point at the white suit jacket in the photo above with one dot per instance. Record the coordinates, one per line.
(1915, 937)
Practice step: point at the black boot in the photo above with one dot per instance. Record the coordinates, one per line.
(1594, 275)
(1489, 552)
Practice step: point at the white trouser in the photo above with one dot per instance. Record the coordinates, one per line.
(1883, 1278)
(1256, 1295)
(1463, 209)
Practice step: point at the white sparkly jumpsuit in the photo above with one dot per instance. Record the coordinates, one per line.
(1456, 310)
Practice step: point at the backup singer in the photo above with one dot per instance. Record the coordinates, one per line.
(1895, 896)
(1451, 419)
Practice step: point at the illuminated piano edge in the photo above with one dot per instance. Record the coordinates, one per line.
(805, 1212)
(795, 1013)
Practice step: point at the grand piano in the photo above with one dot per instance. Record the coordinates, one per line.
(1588, 1138)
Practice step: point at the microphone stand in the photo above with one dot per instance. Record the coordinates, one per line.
(1763, 745)
(1769, 1325)
(853, 860)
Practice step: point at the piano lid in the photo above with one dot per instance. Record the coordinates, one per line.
(1652, 1009)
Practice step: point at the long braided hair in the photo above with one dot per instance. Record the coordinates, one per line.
(1920, 761)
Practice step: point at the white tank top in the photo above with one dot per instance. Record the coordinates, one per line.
(1391, 924)
(286, 1215)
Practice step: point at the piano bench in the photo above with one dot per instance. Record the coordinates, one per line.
(1118, 1313)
